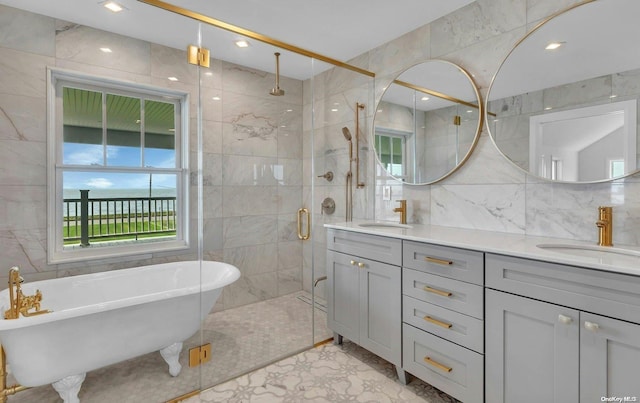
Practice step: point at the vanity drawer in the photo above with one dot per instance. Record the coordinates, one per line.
(429, 358)
(379, 248)
(453, 326)
(606, 293)
(451, 294)
(460, 264)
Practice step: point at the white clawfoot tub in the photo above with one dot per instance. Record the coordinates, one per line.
(104, 318)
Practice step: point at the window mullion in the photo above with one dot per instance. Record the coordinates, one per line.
(104, 128)
(142, 130)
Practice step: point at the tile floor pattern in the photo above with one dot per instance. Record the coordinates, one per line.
(242, 339)
(325, 374)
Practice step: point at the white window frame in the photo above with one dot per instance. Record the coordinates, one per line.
(57, 253)
(403, 136)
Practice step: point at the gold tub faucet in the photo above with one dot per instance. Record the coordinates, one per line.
(402, 210)
(20, 303)
(605, 226)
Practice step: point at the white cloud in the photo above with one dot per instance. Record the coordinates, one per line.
(90, 156)
(100, 183)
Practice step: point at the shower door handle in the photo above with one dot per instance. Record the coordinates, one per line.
(301, 212)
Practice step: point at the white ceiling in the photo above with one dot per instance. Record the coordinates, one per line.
(334, 28)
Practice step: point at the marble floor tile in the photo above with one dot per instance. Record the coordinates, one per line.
(327, 374)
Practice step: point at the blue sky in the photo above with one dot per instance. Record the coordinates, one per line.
(92, 154)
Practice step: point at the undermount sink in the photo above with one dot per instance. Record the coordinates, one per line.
(593, 251)
(384, 225)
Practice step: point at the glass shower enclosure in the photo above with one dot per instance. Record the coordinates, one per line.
(255, 182)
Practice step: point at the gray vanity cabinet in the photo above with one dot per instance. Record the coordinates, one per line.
(609, 358)
(531, 350)
(443, 315)
(364, 295)
(568, 348)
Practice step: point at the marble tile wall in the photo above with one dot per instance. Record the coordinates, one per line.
(488, 192)
(334, 96)
(252, 153)
(249, 155)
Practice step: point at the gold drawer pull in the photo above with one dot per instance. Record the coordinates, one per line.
(438, 292)
(438, 261)
(353, 262)
(436, 364)
(437, 322)
(361, 265)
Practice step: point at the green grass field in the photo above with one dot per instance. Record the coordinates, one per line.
(121, 231)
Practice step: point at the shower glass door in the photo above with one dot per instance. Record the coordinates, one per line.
(264, 140)
(253, 128)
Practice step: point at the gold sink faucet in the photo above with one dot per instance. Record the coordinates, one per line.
(605, 226)
(402, 210)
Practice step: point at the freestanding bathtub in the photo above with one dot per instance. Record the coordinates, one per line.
(104, 318)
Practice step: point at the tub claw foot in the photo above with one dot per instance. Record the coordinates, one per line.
(69, 387)
(171, 355)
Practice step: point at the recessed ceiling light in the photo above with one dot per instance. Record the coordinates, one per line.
(172, 78)
(289, 110)
(554, 45)
(242, 43)
(106, 50)
(469, 111)
(216, 98)
(334, 110)
(113, 6)
(424, 98)
(208, 73)
(612, 96)
(548, 108)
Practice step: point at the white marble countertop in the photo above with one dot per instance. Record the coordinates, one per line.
(510, 244)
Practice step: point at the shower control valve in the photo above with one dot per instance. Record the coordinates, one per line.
(328, 206)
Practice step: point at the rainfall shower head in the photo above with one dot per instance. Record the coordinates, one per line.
(277, 91)
(346, 133)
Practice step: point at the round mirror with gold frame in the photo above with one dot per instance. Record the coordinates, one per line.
(427, 122)
(565, 99)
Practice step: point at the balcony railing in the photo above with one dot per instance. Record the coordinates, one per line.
(86, 219)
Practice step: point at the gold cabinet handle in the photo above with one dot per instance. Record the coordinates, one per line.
(353, 262)
(361, 265)
(437, 322)
(438, 261)
(594, 327)
(306, 236)
(438, 292)
(436, 364)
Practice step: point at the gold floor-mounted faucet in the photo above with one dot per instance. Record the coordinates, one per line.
(20, 303)
(605, 226)
(402, 210)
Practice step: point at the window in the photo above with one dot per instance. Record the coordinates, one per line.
(117, 168)
(391, 152)
(616, 168)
